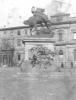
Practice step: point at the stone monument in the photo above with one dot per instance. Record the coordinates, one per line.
(39, 18)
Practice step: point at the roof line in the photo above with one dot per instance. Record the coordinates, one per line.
(22, 27)
(13, 28)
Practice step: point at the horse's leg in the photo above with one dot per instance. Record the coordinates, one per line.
(31, 28)
(46, 25)
(45, 22)
(35, 26)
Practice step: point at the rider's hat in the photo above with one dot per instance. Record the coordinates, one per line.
(33, 9)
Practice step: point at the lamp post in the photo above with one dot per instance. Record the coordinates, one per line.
(61, 58)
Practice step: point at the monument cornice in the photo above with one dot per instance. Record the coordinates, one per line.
(65, 22)
(65, 43)
(39, 40)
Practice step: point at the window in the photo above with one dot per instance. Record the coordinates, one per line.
(74, 54)
(19, 57)
(11, 32)
(60, 52)
(52, 34)
(60, 35)
(4, 32)
(18, 32)
(74, 35)
(18, 42)
(59, 18)
(25, 31)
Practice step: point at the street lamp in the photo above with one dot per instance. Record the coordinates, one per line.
(61, 57)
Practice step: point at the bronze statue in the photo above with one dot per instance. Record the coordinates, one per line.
(38, 18)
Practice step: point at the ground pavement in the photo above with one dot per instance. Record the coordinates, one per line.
(20, 85)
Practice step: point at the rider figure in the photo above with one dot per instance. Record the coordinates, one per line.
(33, 9)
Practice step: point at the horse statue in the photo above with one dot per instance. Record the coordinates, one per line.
(38, 18)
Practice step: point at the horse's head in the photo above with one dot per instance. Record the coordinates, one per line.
(26, 22)
(30, 21)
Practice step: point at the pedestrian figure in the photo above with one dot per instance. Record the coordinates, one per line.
(71, 64)
(62, 65)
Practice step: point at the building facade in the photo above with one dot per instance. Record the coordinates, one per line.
(14, 35)
(64, 28)
(62, 39)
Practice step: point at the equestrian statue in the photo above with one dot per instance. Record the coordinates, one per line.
(38, 18)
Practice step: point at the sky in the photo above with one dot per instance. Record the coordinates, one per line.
(14, 12)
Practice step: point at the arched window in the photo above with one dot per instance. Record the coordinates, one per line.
(19, 42)
(60, 52)
(18, 32)
(60, 35)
